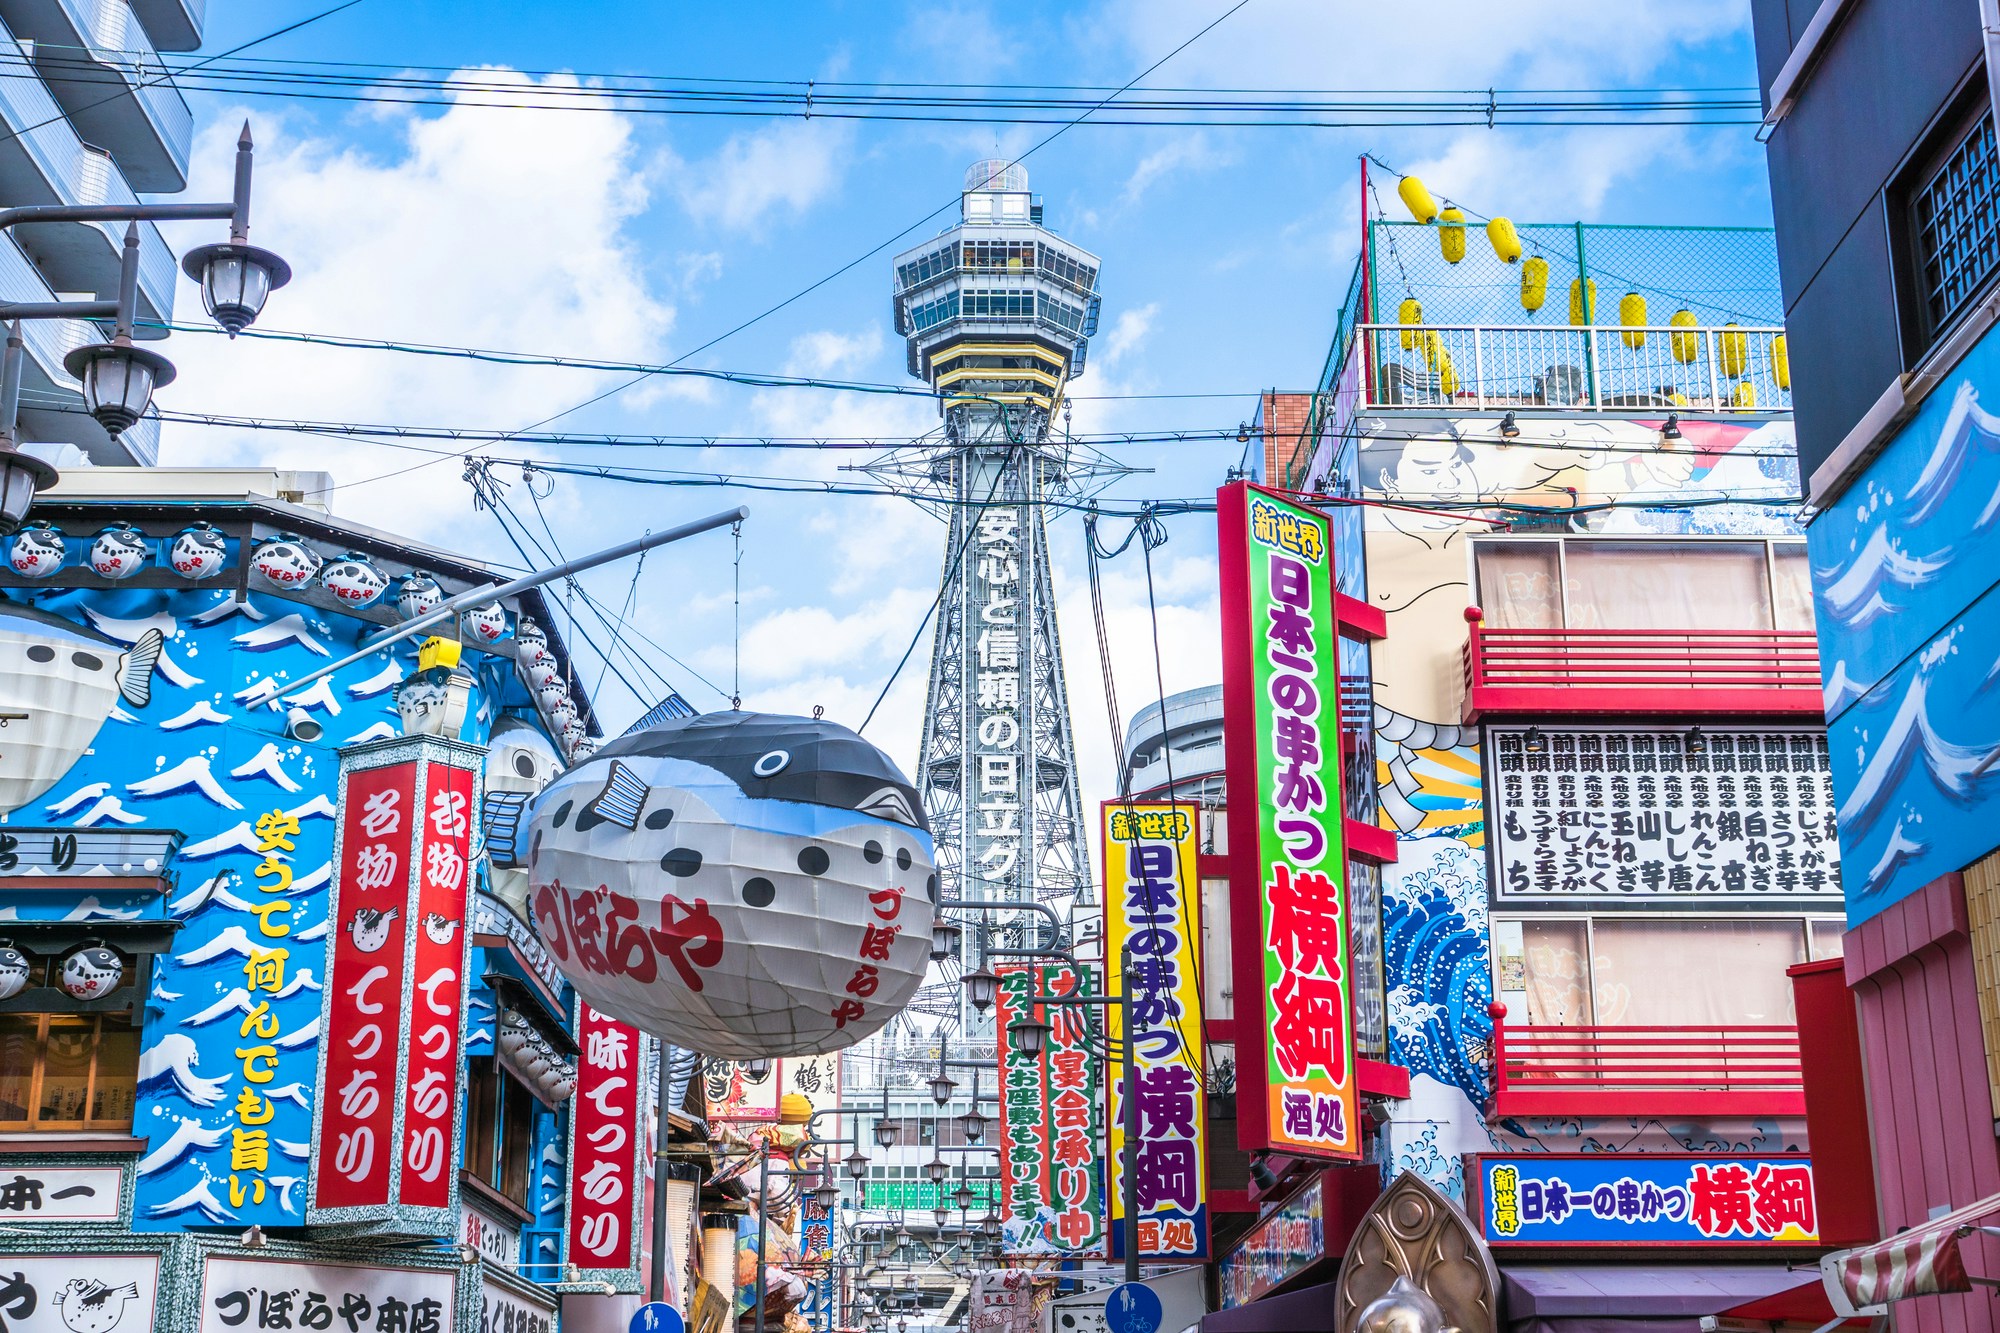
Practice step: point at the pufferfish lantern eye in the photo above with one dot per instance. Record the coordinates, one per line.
(771, 763)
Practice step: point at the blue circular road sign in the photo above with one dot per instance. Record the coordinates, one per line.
(659, 1317)
(1132, 1307)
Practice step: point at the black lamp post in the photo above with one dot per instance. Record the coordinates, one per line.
(118, 378)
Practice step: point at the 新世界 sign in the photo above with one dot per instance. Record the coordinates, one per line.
(1296, 1085)
(1644, 1199)
(1152, 907)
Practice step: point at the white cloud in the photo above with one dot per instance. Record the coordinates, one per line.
(788, 166)
(482, 227)
(1183, 153)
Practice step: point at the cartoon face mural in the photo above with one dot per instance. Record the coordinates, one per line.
(793, 914)
(58, 683)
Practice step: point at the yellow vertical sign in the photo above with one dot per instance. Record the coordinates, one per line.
(1152, 906)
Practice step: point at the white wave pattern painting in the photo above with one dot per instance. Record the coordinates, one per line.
(62, 805)
(190, 774)
(173, 1059)
(1854, 597)
(232, 940)
(268, 764)
(107, 810)
(1967, 424)
(1902, 850)
(200, 1199)
(240, 838)
(1910, 739)
(203, 713)
(280, 632)
(214, 889)
(376, 684)
(189, 1137)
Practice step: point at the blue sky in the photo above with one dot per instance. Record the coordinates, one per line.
(633, 237)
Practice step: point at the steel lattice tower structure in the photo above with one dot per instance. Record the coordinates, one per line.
(998, 312)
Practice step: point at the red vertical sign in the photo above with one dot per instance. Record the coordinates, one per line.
(437, 969)
(604, 1146)
(355, 1153)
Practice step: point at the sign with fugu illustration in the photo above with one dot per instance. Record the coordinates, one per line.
(743, 884)
(79, 1293)
(393, 1017)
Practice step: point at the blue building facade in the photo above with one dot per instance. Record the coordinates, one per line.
(165, 867)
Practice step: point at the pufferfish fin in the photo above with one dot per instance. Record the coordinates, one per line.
(135, 669)
(624, 795)
(502, 813)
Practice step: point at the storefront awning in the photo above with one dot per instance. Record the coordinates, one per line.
(1922, 1261)
(1628, 1298)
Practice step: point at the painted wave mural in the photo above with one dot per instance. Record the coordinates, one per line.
(1901, 567)
(201, 757)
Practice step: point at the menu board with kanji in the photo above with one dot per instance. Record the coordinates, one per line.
(1662, 815)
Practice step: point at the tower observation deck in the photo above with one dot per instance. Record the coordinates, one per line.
(998, 312)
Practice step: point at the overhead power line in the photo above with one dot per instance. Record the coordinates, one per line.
(919, 102)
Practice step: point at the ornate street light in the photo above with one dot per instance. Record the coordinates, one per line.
(857, 1164)
(828, 1194)
(938, 1170)
(980, 987)
(942, 1086)
(235, 276)
(974, 1125)
(885, 1133)
(1031, 1035)
(963, 1195)
(945, 938)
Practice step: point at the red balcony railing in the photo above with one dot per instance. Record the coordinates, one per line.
(1740, 1070)
(1661, 672)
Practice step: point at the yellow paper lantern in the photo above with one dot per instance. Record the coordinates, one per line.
(1781, 362)
(1409, 313)
(1505, 240)
(1632, 314)
(794, 1108)
(1582, 292)
(1417, 199)
(1433, 345)
(1745, 394)
(1451, 235)
(1733, 349)
(1534, 283)
(1686, 346)
(1447, 374)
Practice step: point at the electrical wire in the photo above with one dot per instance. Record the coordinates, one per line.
(869, 254)
(919, 103)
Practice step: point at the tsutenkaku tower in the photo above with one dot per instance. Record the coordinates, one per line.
(997, 312)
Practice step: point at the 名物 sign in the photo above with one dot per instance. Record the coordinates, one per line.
(1152, 908)
(245, 1295)
(386, 1133)
(1276, 1249)
(1644, 1199)
(1738, 817)
(606, 1148)
(1296, 1085)
(1050, 1147)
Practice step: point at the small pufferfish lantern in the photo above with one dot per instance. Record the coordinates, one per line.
(747, 885)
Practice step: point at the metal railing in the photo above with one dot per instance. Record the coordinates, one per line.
(1475, 367)
(79, 174)
(118, 41)
(1640, 671)
(1596, 1069)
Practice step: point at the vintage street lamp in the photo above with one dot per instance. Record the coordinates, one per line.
(942, 1086)
(885, 1133)
(946, 936)
(974, 1125)
(981, 985)
(857, 1164)
(1031, 1035)
(828, 1193)
(963, 1195)
(118, 378)
(938, 1170)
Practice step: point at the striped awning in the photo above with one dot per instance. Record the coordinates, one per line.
(1922, 1261)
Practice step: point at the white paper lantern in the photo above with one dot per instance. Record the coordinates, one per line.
(285, 562)
(37, 551)
(486, 624)
(92, 972)
(120, 551)
(354, 581)
(14, 969)
(741, 884)
(418, 594)
(199, 552)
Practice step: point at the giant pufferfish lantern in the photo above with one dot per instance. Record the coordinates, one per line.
(746, 885)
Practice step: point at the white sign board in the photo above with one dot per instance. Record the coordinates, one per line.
(503, 1310)
(79, 1293)
(1723, 817)
(496, 1242)
(60, 1194)
(252, 1294)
